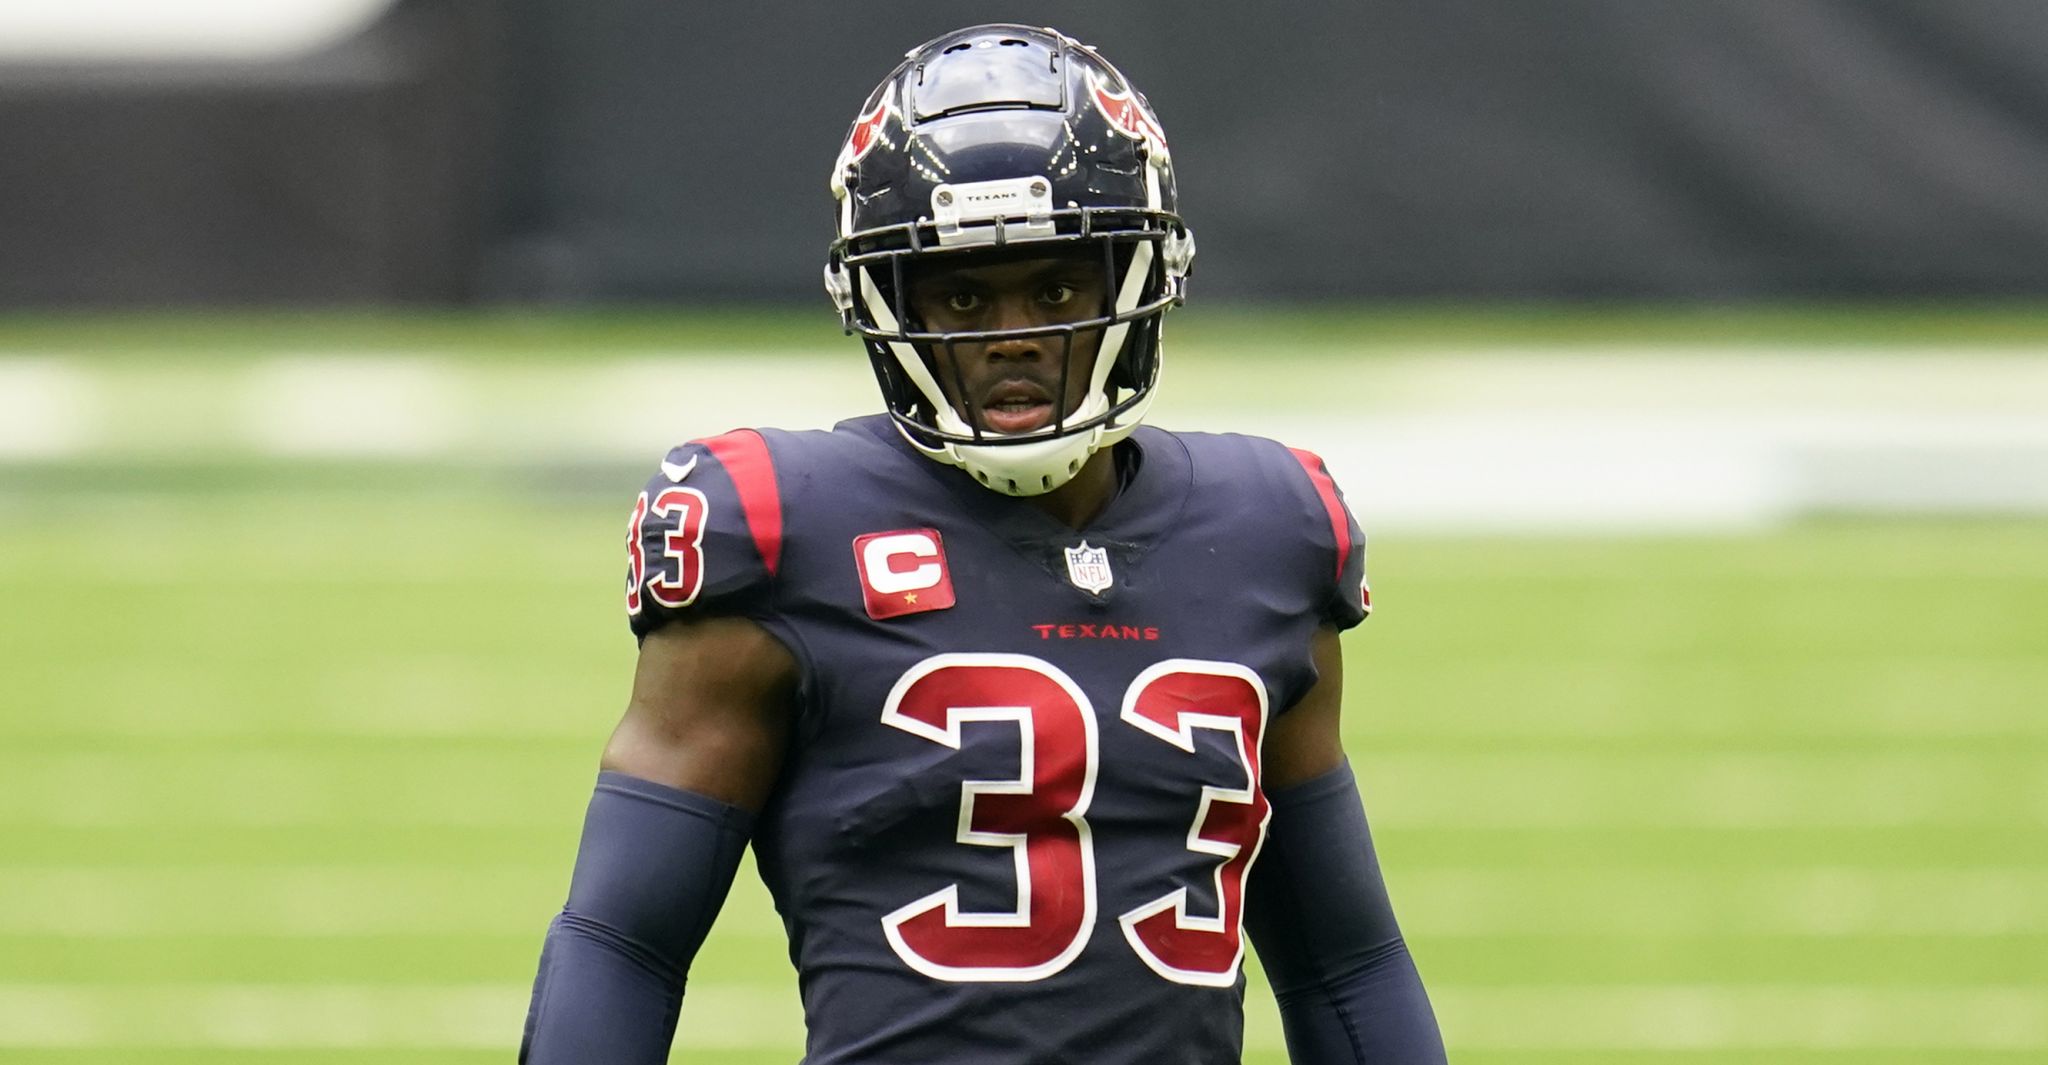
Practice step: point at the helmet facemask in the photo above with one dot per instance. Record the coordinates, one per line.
(934, 405)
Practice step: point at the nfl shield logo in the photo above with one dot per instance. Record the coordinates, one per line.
(1088, 568)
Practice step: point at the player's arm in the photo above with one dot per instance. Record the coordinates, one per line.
(693, 760)
(1317, 907)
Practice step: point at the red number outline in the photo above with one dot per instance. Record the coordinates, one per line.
(1184, 947)
(946, 900)
(1164, 926)
(636, 555)
(684, 544)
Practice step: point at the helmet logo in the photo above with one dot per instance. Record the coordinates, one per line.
(1125, 113)
(866, 133)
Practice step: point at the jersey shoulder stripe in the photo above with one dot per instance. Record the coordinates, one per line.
(1297, 504)
(1326, 490)
(746, 459)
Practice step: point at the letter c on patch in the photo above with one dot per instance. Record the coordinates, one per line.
(883, 562)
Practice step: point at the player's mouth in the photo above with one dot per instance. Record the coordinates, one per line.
(1016, 406)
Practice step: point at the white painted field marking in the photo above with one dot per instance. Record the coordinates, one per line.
(1503, 440)
(346, 901)
(1744, 378)
(1594, 470)
(301, 902)
(393, 406)
(1815, 902)
(348, 1016)
(1589, 791)
(1879, 701)
(1794, 1017)
(1715, 791)
(256, 789)
(636, 408)
(305, 902)
(49, 408)
(447, 697)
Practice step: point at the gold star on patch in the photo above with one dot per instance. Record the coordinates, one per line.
(910, 597)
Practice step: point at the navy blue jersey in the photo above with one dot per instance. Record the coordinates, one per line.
(1021, 800)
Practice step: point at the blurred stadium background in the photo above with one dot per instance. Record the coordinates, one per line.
(1688, 364)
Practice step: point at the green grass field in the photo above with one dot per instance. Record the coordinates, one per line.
(295, 778)
(293, 752)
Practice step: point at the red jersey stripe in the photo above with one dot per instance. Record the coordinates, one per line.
(746, 460)
(1340, 523)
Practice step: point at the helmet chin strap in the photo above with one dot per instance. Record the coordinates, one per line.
(1038, 467)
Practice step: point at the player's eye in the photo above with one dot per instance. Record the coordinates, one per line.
(1057, 293)
(962, 302)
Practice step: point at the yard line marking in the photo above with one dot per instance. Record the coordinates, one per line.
(348, 901)
(1689, 439)
(345, 1016)
(1666, 1017)
(49, 408)
(1728, 378)
(1710, 791)
(1749, 1018)
(1817, 902)
(701, 396)
(1469, 790)
(392, 406)
(312, 902)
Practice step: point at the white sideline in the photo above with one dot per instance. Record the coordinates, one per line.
(369, 407)
(1494, 441)
(48, 409)
(1669, 1017)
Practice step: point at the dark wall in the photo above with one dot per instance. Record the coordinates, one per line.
(656, 150)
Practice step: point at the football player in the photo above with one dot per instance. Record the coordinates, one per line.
(1028, 710)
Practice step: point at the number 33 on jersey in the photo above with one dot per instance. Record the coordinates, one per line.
(1041, 816)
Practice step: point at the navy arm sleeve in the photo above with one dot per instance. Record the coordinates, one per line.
(651, 873)
(1318, 913)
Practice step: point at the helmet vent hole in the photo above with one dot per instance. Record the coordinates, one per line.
(961, 47)
(1012, 42)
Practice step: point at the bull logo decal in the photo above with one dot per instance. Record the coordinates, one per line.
(1126, 113)
(866, 133)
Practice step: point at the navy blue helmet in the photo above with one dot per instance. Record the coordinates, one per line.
(1008, 137)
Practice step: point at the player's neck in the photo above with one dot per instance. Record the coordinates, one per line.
(1079, 501)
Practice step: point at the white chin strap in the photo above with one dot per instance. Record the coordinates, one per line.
(1038, 467)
